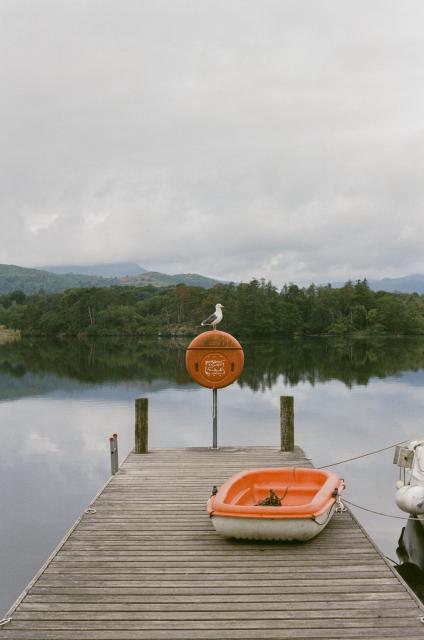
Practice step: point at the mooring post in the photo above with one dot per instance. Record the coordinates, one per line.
(113, 451)
(215, 418)
(287, 423)
(141, 425)
(112, 466)
(115, 457)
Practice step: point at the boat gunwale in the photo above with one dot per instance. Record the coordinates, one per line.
(322, 501)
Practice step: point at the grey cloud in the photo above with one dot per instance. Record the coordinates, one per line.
(235, 138)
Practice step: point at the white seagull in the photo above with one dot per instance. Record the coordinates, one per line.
(215, 317)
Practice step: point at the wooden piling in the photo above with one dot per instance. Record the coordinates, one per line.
(113, 444)
(141, 425)
(287, 423)
(112, 462)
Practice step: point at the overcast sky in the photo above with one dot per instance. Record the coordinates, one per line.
(234, 138)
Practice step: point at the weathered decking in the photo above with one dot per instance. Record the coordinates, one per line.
(148, 565)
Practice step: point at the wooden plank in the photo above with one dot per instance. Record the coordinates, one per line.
(255, 564)
(210, 622)
(93, 618)
(284, 632)
(224, 634)
(225, 606)
(142, 567)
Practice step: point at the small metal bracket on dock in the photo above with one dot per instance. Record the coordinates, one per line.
(340, 508)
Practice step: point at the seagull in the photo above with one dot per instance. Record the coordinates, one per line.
(215, 317)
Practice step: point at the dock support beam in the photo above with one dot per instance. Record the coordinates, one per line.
(141, 425)
(287, 423)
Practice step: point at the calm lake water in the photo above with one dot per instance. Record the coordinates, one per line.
(60, 402)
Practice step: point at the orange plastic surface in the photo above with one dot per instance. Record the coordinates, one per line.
(214, 359)
(303, 493)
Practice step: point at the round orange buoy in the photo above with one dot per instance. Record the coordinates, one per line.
(214, 359)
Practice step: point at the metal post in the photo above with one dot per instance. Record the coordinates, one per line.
(287, 423)
(215, 417)
(141, 425)
(115, 457)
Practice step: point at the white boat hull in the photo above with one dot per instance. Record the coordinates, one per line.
(410, 494)
(283, 529)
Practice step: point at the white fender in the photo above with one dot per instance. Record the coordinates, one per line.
(417, 473)
(410, 498)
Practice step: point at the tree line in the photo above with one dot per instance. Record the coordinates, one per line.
(256, 308)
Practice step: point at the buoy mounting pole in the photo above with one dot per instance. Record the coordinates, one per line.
(215, 417)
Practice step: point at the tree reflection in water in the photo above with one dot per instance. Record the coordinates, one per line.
(312, 360)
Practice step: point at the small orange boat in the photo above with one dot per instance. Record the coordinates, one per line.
(286, 503)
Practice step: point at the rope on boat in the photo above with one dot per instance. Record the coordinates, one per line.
(329, 515)
(391, 560)
(271, 501)
(363, 455)
(379, 513)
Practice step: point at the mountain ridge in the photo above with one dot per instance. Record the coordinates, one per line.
(413, 283)
(103, 269)
(31, 281)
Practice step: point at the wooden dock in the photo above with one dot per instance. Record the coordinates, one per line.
(148, 565)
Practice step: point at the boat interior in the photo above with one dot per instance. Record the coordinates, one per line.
(293, 486)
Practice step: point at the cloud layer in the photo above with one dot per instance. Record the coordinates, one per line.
(233, 138)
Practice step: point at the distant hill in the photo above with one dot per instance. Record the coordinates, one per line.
(61, 277)
(132, 274)
(32, 280)
(405, 284)
(107, 270)
(158, 279)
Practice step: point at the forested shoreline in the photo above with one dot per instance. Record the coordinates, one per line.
(256, 308)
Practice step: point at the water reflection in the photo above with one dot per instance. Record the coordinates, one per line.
(61, 400)
(410, 552)
(312, 360)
